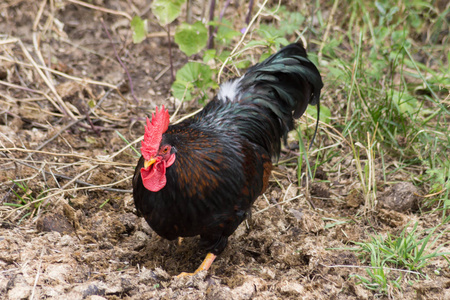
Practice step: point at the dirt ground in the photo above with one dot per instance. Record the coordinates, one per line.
(68, 240)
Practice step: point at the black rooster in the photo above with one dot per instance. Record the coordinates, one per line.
(201, 176)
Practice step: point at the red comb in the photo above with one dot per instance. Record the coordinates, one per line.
(153, 133)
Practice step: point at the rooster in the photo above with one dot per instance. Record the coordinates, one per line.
(201, 176)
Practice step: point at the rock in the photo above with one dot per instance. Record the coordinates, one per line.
(354, 199)
(58, 272)
(129, 220)
(95, 297)
(400, 197)
(19, 288)
(141, 239)
(93, 289)
(250, 287)
(320, 190)
(292, 288)
(54, 222)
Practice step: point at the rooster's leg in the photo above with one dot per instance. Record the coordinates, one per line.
(203, 267)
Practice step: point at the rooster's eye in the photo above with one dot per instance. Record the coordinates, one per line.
(165, 150)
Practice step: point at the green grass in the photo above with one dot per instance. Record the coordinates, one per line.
(26, 200)
(384, 65)
(409, 251)
(394, 86)
(388, 64)
(385, 107)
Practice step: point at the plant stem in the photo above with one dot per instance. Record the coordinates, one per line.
(212, 7)
(172, 74)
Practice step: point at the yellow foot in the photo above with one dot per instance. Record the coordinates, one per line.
(203, 267)
(180, 240)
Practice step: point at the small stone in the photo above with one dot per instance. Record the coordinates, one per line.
(287, 287)
(54, 222)
(400, 197)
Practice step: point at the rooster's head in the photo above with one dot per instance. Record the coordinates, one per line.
(157, 156)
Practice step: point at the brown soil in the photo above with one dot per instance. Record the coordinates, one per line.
(85, 242)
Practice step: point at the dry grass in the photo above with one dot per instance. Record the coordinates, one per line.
(66, 108)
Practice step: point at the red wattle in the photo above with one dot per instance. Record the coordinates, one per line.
(154, 178)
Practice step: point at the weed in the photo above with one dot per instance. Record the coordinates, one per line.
(410, 250)
(27, 200)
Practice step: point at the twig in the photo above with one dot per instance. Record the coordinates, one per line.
(71, 190)
(278, 203)
(242, 39)
(63, 105)
(189, 11)
(163, 71)
(70, 77)
(21, 87)
(370, 267)
(77, 180)
(78, 176)
(39, 14)
(250, 8)
(211, 36)
(327, 30)
(172, 73)
(120, 62)
(187, 116)
(71, 124)
(109, 11)
(212, 7)
(66, 155)
(38, 272)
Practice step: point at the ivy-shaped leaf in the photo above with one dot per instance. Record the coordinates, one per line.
(167, 10)
(139, 28)
(191, 38)
(191, 76)
(225, 32)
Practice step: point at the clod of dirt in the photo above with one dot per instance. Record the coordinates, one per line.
(3, 73)
(94, 288)
(400, 197)
(95, 297)
(291, 288)
(354, 199)
(320, 190)
(54, 222)
(392, 218)
(249, 288)
(141, 239)
(79, 202)
(156, 275)
(19, 288)
(431, 290)
(359, 291)
(311, 223)
(282, 252)
(129, 220)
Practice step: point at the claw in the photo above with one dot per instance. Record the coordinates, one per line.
(203, 267)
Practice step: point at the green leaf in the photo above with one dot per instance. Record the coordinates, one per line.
(191, 76)
(139, 28)
(225, 33)
(167, 10)
(209, 54)
(191, 38)
(291, 22)
(404, 102)
(325, 113)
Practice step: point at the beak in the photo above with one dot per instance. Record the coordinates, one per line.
(148, 163)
